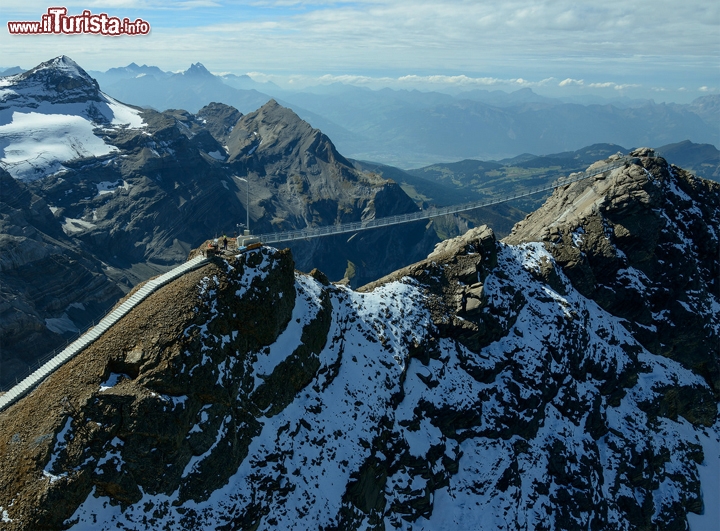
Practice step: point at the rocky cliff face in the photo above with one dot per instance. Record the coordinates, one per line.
(132, 191)
(643, 244)
(487, 386)
(49, 288)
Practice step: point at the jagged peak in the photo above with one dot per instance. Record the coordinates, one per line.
(219, 109)
(61, 65)
(272, 112)
(621, 237)
(275, 127)
(198, 69)
(270, 116)
(643, 152)
(569, 205)
(60, 80)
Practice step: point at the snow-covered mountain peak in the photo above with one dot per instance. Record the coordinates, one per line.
(54, 113)
(65, 65)
(60, 80)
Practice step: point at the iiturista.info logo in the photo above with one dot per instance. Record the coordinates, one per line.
(57, 22)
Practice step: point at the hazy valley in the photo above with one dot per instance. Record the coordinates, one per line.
(409, 128)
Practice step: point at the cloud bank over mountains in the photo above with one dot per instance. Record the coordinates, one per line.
(641, 48)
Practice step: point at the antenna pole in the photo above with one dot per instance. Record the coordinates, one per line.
(247, 202)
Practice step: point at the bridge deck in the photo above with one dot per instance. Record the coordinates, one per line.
(48, 367)
(329, 230)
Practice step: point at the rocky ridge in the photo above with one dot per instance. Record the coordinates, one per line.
(122, 194)
(479, 388)
(58, 81)
(644, 244)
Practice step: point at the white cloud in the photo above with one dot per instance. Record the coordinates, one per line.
(463, 80)
(411, 80)
(569, 81)
(613, 85)
(482, 29)
(509, 43)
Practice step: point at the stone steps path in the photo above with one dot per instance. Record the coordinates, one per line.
(25, 386)
(73, 349)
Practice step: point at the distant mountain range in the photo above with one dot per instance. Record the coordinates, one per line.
(415, 129)
(411, 129)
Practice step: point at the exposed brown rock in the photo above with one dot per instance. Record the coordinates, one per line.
(636, 222)
(150, 350)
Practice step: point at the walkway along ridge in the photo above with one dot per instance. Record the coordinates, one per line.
(26, 385)
(16, 392)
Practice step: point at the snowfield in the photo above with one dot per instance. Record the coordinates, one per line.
(37, 136)
(372, 404)
(34, 145)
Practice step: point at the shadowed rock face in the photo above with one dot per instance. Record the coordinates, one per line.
(477, 388)
(164, 187)
(643, 243)
(42, 276)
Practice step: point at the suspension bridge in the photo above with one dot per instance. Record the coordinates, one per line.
(50, 363)
(330, 230)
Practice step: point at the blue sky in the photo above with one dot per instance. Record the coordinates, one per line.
(665, 50)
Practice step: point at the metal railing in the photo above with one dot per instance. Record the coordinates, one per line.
(51, 362)
(341, 228)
